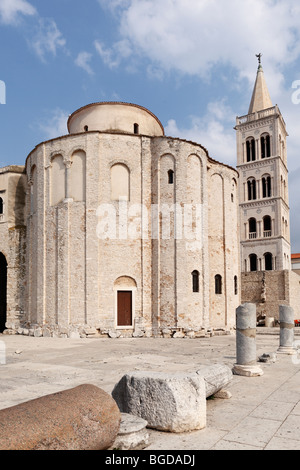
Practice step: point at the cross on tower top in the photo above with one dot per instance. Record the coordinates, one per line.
(259, 58)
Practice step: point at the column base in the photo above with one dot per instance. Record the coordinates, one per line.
(247, 370)
(286, 350)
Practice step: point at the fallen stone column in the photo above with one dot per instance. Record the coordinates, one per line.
(286, 321)
(246, 361)
(216, 377)
(168, 402)
(81, 418)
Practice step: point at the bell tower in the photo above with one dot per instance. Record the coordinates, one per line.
(263, 183)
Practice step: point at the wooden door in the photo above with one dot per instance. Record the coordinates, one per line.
(124, 308)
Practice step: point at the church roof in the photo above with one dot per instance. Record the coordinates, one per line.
(260, 96)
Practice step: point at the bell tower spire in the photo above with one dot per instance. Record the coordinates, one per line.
(260, 97)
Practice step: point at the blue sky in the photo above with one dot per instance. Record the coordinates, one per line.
(191, 62)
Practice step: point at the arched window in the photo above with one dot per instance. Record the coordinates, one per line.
(266, 186)
(1, 206)
(235, 285)
(268, 261)
(252, 228)
(86, 128)
(120, 182)
(253, 262)
(267, 226)
(265, 144)
(78, 176)
(135, 128)
(195, 281)
(218, 284)
(250, 146)
(170, 176)
(251, 184)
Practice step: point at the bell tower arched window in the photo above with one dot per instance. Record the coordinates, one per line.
(266, 186)
(253, 262)
(250, 146)
(268, 261)
(252, 228)
(265, 145)
(251, 185)
(267, 226)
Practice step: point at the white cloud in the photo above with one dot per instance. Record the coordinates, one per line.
(47, 38)
(114, 55)
(54, 125)
(193, 36)
(12, 10)
(82, 60)
(213, 131)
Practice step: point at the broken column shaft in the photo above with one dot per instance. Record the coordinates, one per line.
(246, 341)
(286, 320)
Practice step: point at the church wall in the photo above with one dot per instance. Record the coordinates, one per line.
(13, 241)
(76, 265)
(123, 251)
(223, 247)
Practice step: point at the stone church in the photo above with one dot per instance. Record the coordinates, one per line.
(117, 229)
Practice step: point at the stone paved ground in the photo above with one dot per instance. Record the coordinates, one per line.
(263, 412)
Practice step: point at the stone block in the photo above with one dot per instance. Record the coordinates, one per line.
(133, 433)
(81, 418)
(168, 402)
(216, 377)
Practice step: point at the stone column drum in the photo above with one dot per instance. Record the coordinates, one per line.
(246, 341)
(286, 319)
(82, 418)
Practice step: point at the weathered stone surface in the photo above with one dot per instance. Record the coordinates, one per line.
(81, 418)
(168, 402)
(133, 433)
(224, 394)
(216, 377)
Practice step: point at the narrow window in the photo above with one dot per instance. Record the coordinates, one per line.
(265, 144)
(266, 186)
(268, 261)
(135, 128)
(251, 184)
(86, 128)
(1, 206)
(218, 284)
(250, 145)
(170, 176)
(235, 285)
(267, 226)
(195, 281)
(253, 262)
(252, 228)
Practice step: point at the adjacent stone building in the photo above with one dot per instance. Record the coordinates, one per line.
(118, 229)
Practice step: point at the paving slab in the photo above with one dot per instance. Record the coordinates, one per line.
(263, 412)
